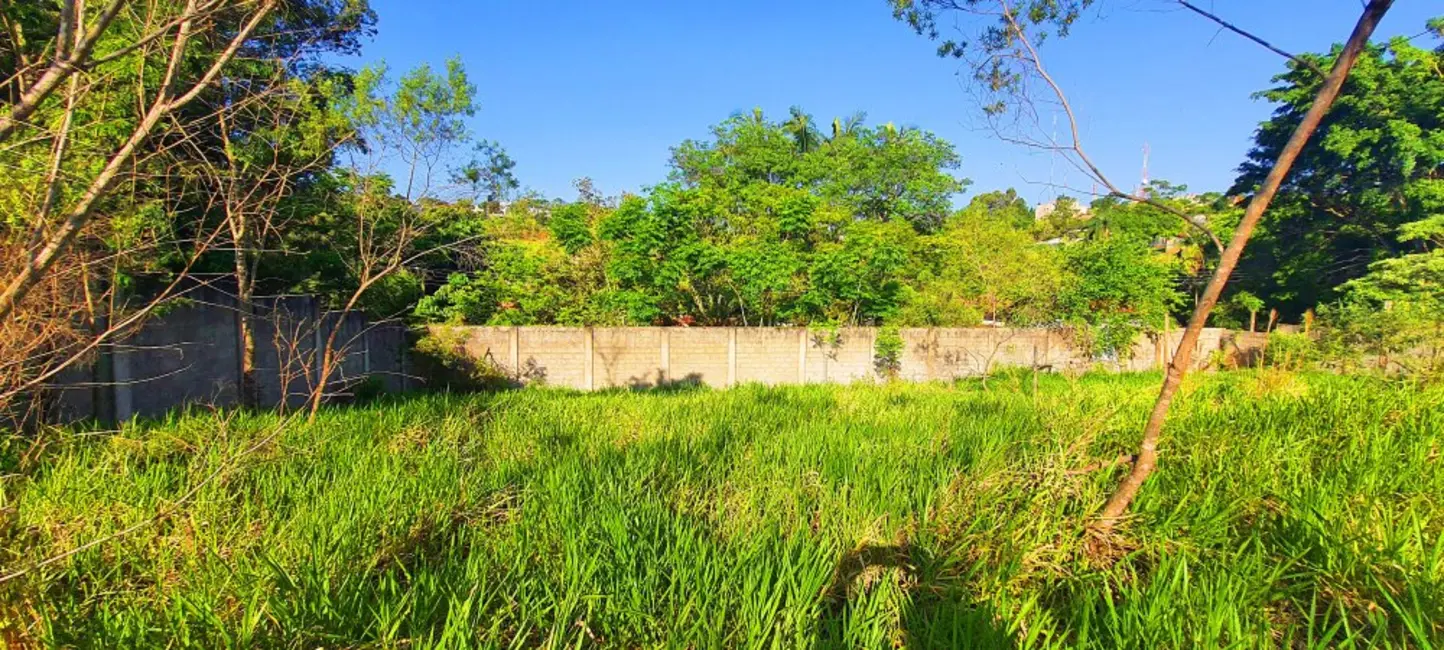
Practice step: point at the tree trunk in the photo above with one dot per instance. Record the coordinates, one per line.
(1252, 321)
(1147, 457)
(318, 393)
(250, 389)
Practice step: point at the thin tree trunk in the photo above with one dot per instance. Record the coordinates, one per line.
(250, 392)
(328, 353)
(239, 223)
(1147, 457)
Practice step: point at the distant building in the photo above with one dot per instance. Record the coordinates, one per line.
(1044, 210)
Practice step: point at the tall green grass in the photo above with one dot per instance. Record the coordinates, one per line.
(1288, 512)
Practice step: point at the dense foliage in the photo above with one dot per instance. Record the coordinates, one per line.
(774, 222)
(1377, 164)
(1356, 231)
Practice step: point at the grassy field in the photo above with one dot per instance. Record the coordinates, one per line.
(1288, 511)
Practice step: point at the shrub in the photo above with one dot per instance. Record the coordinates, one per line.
(441, 360)
(1290, 351)
(887, 353)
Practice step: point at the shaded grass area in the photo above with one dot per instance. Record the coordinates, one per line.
(1289, 511)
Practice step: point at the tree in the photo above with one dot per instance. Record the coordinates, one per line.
(149, 91)
(1008, 60)
(571, 226)
(1005, 206)
(1116, 288)
(418, 122)
(1376, 168)
(282, 140)
(1396, 311)
(193, 41)
(980, 266)
(800, 127)
(489, 175)
(1251, 304)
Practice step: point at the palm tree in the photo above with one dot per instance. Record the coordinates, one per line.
(849, 127)
(800, 127)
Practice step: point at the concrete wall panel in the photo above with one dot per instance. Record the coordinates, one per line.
(769, 355)
(492, 345)
(698, 355)
(842, 357)
(554, 356)
(626, 356)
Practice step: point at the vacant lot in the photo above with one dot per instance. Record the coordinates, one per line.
(1289, 511)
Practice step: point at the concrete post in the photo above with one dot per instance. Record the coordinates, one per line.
(802, 355)
(664, 374)
(514, 343)
(120, 370)
(731, 356)
(366, 352)
(588, 365)
(403, 361)
(872, 354)
(102, 394)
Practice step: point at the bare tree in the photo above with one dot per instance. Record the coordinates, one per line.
(385, 236)
(419, 127)
(1147, 457)
(52, 240)
(61, 239)
(249, 181)
(1015, 89)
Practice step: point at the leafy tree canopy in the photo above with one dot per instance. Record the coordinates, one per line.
(1377, 164)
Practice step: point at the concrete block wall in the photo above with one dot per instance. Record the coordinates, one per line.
(840, 357)
(611, 357)
(769, 355)
(192, 355)
(627, 356)
(697, 355)
(556, 356)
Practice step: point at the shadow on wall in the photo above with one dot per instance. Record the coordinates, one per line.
(684, 384)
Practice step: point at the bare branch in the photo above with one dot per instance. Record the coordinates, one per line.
(1075, 145)
(1268, 46)
(60, 69)
(80, 213)
(1122, 497)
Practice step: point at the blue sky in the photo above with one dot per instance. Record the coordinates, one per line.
(604, 89)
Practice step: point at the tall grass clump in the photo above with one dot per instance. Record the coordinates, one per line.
(1297, 512)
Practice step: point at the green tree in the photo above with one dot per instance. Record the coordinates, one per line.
(1251, 304)
(979, 266)
(1005, 206)
(1376, 166)
(1396, 310)
(1009, 64)
(570, 225)
(490, 175)
(1116, 289)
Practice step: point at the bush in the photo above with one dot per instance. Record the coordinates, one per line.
(887, 353)
(1290, 351)
(441, 360)
(1402, 336)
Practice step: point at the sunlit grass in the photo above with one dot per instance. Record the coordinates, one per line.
(1288, 511)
